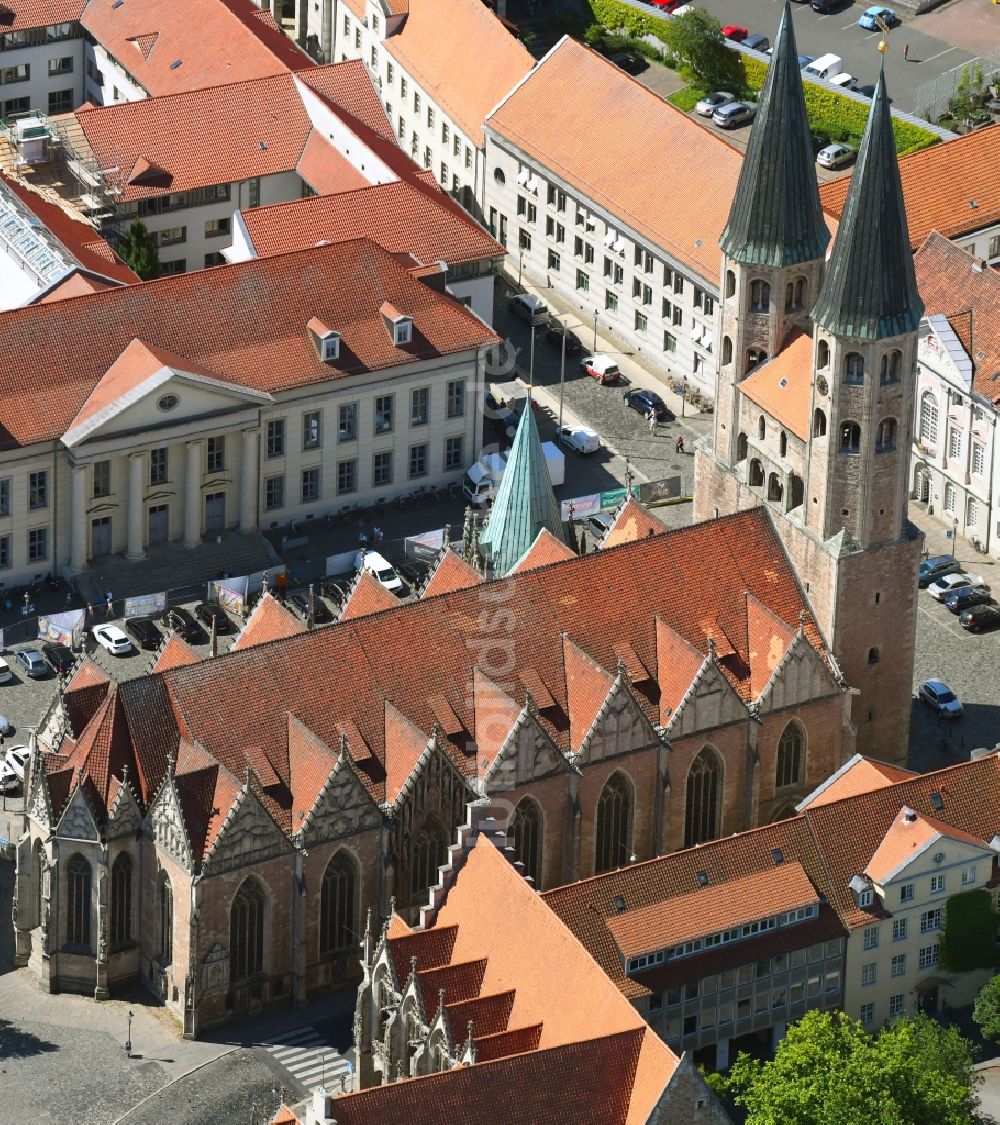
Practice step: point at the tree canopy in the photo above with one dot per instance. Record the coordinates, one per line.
(138, 250)
(986, 1012)
(696, 38)
(829, 1071)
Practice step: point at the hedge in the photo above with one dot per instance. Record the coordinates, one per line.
(831, 115)
(970, 933)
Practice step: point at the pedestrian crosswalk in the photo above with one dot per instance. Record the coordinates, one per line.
(308, 1058)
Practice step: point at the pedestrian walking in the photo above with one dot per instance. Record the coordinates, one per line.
(906, 53)
(652, 421)
(679, 443)
(109, 607)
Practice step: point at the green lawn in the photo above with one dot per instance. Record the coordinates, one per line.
(686, 98)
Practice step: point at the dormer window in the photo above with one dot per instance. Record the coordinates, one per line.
(399, 325)
(327, 340)
(865, 898)
(331, 347)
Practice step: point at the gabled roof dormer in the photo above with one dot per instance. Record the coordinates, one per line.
(398, 325)
(326, 339)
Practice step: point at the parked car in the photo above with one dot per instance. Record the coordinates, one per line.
(944, 585)
(757, 43)
(967, 597)
(580, 438)
(382, 569)
(145, 632)
(183, 624)
(805, 60)
(734, 32)
(844, 80)
(16, 757)
(6, 675)
(597, 524)
(934, 568)
(871, 17)
(60, 657)
(528, 307)
(643, 401)
(300, 601)
(711, 102)
(938, 696)
(683, 9)
(112, 638)
(835, 156)
(500, 416)
(980, 618)
(602, 368)
(207, 612)
(30, 659)
(9, 781)
(825, 7)
(628, 61)
(336, 589)
(556, 332)
(5, 725)
(734, 115)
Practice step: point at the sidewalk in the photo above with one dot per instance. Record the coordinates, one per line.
(936, 542)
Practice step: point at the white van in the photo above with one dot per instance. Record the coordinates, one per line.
(826, 66)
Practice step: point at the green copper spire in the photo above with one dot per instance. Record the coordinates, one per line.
(525, 502)
(870, 290)
(776, 219)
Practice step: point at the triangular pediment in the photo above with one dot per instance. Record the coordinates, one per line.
(39, 807)
(77, 821)
(619, 727)
(800, 677)
(711, 701)
(148, 386)
(248, 835)
(343, 808)
(125, 816)
(167, 822)
(527, 754)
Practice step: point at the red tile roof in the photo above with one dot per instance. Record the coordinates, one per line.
(858, 775)
(908, 834)
(404, 218)
(326, 170)
(451, 573)
(679, 662)
(940, 184)
(268, 621)
(404, 744)
(545, 550)
(644, 141)
(632, 521)
(367, 596)
(176, 653)
(782, 386)
(20, 14)
(956, 284)
(73, 285)
(769, 638)
(462, 56)
(235, 41)
(44, 381)
(587, 687)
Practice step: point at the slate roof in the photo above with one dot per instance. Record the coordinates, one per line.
(869, 291)
(775, 218)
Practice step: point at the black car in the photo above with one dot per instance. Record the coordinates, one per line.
(556, 332)
(644, 401)
(336, 589)
(60, 658)
(500, 416)
(300, 602)
(208, 612)
(183, 624)
(629, 62)
(967, 597)
(980, 618)
(597, 524)
(144, 632)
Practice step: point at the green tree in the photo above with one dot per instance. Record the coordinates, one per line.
(696, 38)
(829, 1071)
(138, 251)
(986, 1012)
(970, 932)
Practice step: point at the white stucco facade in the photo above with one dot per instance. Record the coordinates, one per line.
(42, 68)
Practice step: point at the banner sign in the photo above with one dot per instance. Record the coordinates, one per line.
(582, 506)
(667, 489)
(145, 605)
(424, 547)
(615, 496)
(230, 593)
(62, 628)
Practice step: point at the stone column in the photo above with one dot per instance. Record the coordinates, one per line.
(136, 479)
(248, 480)
(78, 520)
(192, 495)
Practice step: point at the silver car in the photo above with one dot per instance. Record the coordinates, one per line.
(835, 156)
(734, 115)
(711, 102)
(939, 697)
(529, 307)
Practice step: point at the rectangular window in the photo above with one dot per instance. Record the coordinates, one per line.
(869, 973)
(253, 192)
(554, 261)
(636, 287)
(38, 544)
(978, 458)
(311, 430)
(347, 421)
(402, 86)
(899, 965)
(523, 238)
(357, 38)
(522, 206)
(177, 265)
(172, 236)
(4, 552)
(871, 937)
(453, 453)
(274, 493)
(994, 251)
(667, 309)
(310, 485)
(867, 1012)
(954, 443)
(20, 73)
(416, 101)
(937, 884)
(640, 321)
(647, 295)
(532, 213)
(16, 105)
(611, 301)
(906, 892)
(61, 66)
(347, 476)
(418, 460)
(445, 132)
(390, 73)
(677, 317)
(456, 398)
(560, 233)
(899, 929)
(420, 406)
(619, 275)
(382, 468)
(217, 228)
(347, 25)
(930, 920)
(929, 957)
(216, 454)
(582, 281)
(214, 259)
(158, 466)
(897, 1004)
(968, 876)
(669, 343)
(276, 437)
(102, 479)
(383, 414)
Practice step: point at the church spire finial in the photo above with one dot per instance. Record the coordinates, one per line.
(776, 219)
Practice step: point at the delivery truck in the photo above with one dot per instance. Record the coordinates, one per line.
(482, 480)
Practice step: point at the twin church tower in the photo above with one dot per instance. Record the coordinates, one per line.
(815, 390)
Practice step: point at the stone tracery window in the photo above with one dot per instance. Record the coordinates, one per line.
(79, 882)
(337, 928)
(703, 803)
(791, 756)
(121, 900)
(165, 928)
(614, 824)
(528, 838)
(430, 847)
(246, 931)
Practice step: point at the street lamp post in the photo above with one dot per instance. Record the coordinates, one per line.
(531, 360)
(520, 264)
(595, 331)
(684, 394)
(954, 535)
(562, 376)
(128, 1035)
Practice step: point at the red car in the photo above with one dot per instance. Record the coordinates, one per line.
(735, 32)
(666, 5)
(602, 368)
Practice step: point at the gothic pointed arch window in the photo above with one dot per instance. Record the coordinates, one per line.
(246, 931)
(121, 900)
(614, 824)
(79, 882)
(742, 447)
(337, 922)
(165, 920)
(430, 845)
(775, 489)
(928, 418)
(703, 798)
(760, 296)
(819, 423)
(790, 763)
(528, 838)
